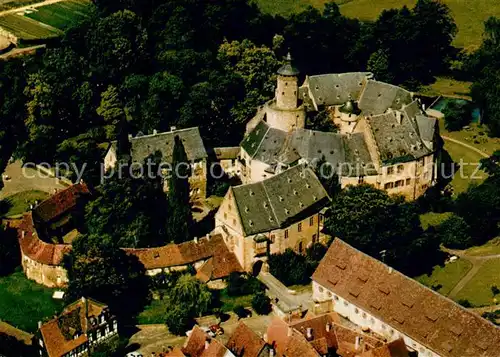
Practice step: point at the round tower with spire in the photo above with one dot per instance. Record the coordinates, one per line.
(285, 112)
(288, 85)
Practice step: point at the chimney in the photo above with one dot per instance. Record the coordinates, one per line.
(399, 117)
(84, 300)
(155, 131)
(328, 327)
(195, 239)
(173, 128)
(23, 233)
(265, 338)
(207, 236)
(309, 333)
(358, 343)
(39, 324)
(130, 136)
(207, 343)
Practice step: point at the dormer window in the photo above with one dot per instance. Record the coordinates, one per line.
(281, 199)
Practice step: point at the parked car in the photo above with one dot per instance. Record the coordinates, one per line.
(217, 329)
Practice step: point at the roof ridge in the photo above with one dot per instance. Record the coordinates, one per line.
(419, 284)
(163, 133)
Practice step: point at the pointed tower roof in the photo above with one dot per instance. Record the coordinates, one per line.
(288, 69)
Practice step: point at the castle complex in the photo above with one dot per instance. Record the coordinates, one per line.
(384, 137)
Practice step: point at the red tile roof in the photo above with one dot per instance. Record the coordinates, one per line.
(221, 262)
(36, 249)
(60, 202)
(430, 319)
(215, 349)
(395, 348)
(56, 344)
(195, 344)
(245, 342)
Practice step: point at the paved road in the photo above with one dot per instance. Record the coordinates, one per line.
(287, 299)
(480, 152)
(27, 179)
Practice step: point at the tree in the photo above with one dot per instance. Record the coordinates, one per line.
(111, 110)
(456, 115)
(188, 299)
(378, 64)
(261, 303)
(454, 233)
(106, 273)
(179, 223)
(479, 206)
(491, 165)
(374, 222)
(290, 268)
(130, 210)
(9, 251)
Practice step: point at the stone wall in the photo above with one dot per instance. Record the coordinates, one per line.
(52, 276)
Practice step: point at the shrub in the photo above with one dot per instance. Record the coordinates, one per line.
(261, 303)
(456, 115)
(465, 303)
(238, 285)
(178, 320)
(495, 290)
(290, 268)
(240, 311)
(454, 233)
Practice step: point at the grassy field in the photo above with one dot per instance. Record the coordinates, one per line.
(20, 202)
(229, 302)
(469, 15)
(433, 219)
(475, 136)
(154, 313)
(26, 28)
(60, 15)
(478, 290)
(466, 173)
(445, 278)
(23, 303)
(447, 87)
(490, 248)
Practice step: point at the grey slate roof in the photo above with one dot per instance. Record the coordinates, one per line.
(311, 145)
(252, 141)
(357, 157)
(280, 200)
(396, 142)
(288, 69)
(336, 89)
(377, 97)
(143, 146)
(426, 127)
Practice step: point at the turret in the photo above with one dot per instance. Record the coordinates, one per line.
(287, 91)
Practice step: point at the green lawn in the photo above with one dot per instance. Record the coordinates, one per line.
(466, 173)
(469, 15)
(478, 290)
(476, 135)
(229, 302)
(433, 219)
(490, 248)
(20, 202)
(447, 276)
(23, 302)
(154, 313)
(448, 87)
(26, 28)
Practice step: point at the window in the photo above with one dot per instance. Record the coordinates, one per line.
(286, 233)
(335, 297)
(389, 185)
(408, 181)
(320, 289)
(346, 303)
(364, 315)
(234, 221)
(314, 238)
(299, 227)
(273, 237)
(361, 179)
(356, 311)
(400, 168)
(311, 221)
(399, 183)
(229, 207)
(390, 170)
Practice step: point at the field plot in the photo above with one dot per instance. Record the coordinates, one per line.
(62, 14)
(27, 29)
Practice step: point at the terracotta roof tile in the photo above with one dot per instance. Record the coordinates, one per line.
(245, 342)
(215, 349)
(395, 348)
(195, 344)
(36, 249)
(422, 314)
(61, 202)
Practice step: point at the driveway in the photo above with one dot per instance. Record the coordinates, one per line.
(287, 300)
(27, 179)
